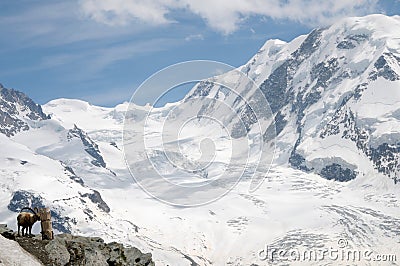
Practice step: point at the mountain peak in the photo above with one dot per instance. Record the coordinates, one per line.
(332, 90)
(15, 109)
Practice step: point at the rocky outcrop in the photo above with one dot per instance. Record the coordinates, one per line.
(15, 107)
(89, 145)
(67, 249)
(96, 198)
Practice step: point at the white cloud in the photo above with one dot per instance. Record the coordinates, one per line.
(194, 37)
(56, 23)
(121, 12)
(225, 16)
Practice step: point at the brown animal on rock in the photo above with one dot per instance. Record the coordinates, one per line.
(26, 220)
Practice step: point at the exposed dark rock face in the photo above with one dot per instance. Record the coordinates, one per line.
(23, 199)
(386, 158)
(114, 145)
(351, 41)
(66, 249)
(337, 172)
(90, 146)
(278, 87)
(15, 106)
(280, 122)
(247, 119)
(274, 88)
(95, 197)
(298, 161)
(203, 89)
(72, 174)
(61, 223)
(323, 72)
(33, 111)
(383, 68)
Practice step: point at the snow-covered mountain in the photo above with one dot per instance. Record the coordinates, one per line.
(334, 95)
(28, 169)
(15, 108)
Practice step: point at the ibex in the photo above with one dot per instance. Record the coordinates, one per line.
(26, 220)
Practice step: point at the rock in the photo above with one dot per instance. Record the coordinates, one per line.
(116, 254)
(7, 232)
(96, 198)
(3, 228)
(90, 146)
(135, 257)
(15, 108)
(93, 251)
(67, 249)
(95, 257)
(57, 252)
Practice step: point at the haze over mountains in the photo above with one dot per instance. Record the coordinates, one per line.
(334, 95)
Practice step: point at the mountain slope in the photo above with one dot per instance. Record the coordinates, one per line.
(14, 107)
(33, 175)
(79, 176)
(334, 95)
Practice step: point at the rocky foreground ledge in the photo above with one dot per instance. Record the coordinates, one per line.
(66, 249)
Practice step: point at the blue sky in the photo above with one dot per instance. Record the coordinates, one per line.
(102, 50)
